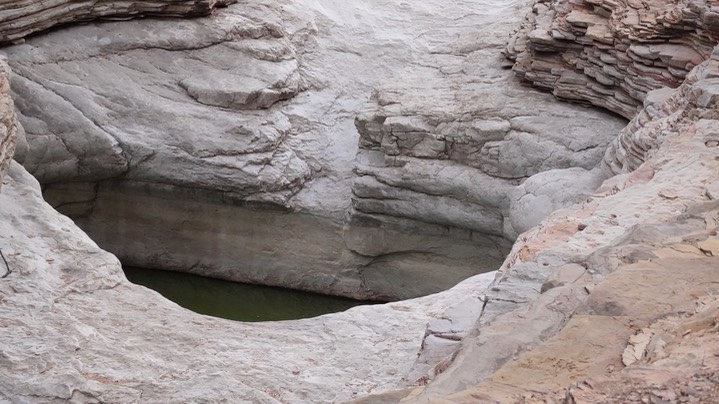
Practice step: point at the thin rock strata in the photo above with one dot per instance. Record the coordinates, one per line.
(8, 121)
(666, 114)
(613, 53)
(20, 18)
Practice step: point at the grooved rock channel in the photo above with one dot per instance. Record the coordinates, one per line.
(374, 149)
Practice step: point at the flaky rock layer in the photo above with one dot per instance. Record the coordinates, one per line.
(612, 53)
(20, 18)
(666, 114)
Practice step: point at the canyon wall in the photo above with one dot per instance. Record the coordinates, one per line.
(670, 150)
(666, 114)
(605, 300)
(228, 146)
(20, 18)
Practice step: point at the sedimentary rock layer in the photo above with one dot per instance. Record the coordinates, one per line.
(666, 114)
(19, 18)
(452, 149)
(168, 112)
(8, 121)
(612, 53)
(618, 291)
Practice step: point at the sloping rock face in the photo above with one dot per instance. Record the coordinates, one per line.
(227, 146)
(20, 18)
(8, 122)
(115, 126)
(612, 53)
(612, 300)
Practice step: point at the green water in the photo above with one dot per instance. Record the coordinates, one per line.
(237, 301)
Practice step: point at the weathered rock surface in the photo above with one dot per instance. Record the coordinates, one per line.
(74, 329)
(612, 53)
(19, 18)
(452, 146)
(8, 122)
(180, 158)
(85, 124)
(666, 114)
(628, 278)
(548, 191)
(618, 291)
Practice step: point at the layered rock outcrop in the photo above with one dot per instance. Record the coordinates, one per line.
(613, 299)
(8, 122)
(625, 279)
(612, 53)
(20, 18)
(667, 113)
(420, 161)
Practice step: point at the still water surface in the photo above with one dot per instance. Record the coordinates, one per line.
(237, 301)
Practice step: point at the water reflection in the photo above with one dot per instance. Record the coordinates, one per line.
(237, 301)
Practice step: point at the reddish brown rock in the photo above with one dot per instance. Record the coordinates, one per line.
(611, 54)
(20, 18)
(665, 115)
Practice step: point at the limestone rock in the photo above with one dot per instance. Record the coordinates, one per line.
(548, 191)
(564, 305)
(165, 113)
(450, 148)
(612, 54)
(20, 18)
(8, 121)
(630, 258)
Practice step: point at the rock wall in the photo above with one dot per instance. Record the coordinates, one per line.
(613, 53)
(459, 157)
(242, 122)
(676, 191)
(20, 18)
(609, 300)
(8, 121)
(666, 114)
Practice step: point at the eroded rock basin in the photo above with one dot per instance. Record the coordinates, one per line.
(395, 151)
(452, 151)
